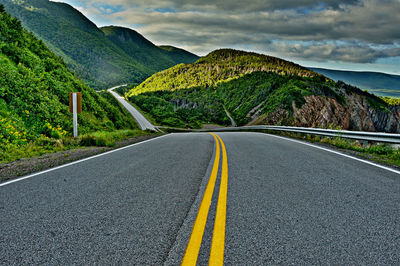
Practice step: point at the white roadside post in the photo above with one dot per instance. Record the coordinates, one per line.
(75, 113)
(75, 107)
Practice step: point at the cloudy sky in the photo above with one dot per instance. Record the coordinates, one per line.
(352, 34)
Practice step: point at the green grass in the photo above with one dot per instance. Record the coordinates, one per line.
(108, 139)
(46, 145)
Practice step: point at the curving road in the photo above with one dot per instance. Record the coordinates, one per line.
(142, 121)
(286, 203)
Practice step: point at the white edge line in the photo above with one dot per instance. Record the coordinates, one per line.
(76, 162)
(339, 153)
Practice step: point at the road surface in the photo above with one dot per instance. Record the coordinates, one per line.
(142, 121)
(273, 201)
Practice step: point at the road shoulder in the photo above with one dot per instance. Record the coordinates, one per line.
(358, 155)
(23, 167)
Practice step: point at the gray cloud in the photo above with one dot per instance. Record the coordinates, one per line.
(254, 5)
(344, 31)
(320, 52)
(373, 22)
(233, 5)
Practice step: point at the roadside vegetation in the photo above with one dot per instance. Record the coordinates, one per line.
(34, 100)
(45, 145)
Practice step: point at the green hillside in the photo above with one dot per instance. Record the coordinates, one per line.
(144, 51)
(34, 92)
(85, 48)
(252, 88)
(200, 105)
(219, 66)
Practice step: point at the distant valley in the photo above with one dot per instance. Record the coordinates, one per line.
(380, 84)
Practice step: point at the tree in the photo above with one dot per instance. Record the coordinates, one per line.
(2, 10)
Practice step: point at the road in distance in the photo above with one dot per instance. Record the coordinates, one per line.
(142, 121)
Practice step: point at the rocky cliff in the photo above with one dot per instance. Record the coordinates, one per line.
(354, 113)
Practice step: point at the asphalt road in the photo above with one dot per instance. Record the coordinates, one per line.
(286, 203)
(142, 121)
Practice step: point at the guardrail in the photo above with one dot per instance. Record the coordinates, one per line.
(357, 135)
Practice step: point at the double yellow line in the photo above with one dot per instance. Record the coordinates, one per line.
(218, 240)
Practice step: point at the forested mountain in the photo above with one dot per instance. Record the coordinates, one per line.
(34, 92)
(377, 83)
(258, 89)
(144, 51)
(218, 66)
(84, 47)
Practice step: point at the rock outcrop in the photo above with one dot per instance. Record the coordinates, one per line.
(355, 113)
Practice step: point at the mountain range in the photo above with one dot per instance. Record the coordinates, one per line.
(380, 84)
(250, 88)
(102, 57)
(258, 89)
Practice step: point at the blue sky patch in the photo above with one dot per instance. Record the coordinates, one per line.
(106, 9)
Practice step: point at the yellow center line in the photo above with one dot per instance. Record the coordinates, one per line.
(193, 247)
(218, 240)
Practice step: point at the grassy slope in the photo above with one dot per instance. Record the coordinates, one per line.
(34, 89)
